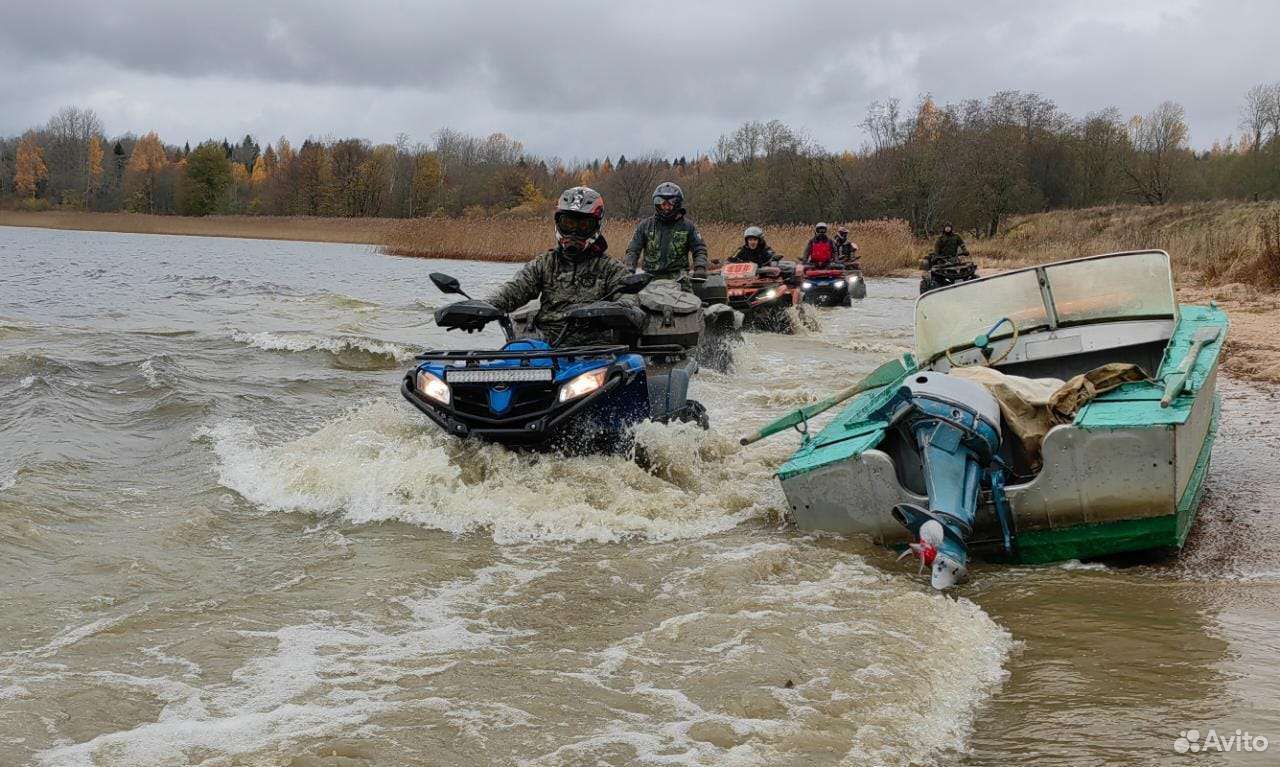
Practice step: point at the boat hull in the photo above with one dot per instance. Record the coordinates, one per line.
(1126, 476)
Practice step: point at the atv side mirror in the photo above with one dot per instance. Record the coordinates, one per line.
(634, 283)
(447, 284)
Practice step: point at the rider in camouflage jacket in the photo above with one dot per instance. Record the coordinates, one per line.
(664, 243)
(577, 271)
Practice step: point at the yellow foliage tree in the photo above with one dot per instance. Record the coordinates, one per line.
(30, 169)
(531, 196)
(259, 175)
(142, 172)
(928, 120)
(95, 167)
(427, 175)
(284, 152)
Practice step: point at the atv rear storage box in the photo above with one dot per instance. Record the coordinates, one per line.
(673, 316)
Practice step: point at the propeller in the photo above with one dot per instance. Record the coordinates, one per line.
(927, 547)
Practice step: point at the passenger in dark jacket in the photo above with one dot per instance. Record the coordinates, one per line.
(846, 250)
(754, 249)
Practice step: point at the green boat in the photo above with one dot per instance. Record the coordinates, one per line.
(1065, 411)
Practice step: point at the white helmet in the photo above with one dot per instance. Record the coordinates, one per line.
(753, 231)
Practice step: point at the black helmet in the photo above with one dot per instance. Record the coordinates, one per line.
(579, 212)
(668, 191)
(947, 227)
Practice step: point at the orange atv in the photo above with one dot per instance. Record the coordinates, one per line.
(763, 294)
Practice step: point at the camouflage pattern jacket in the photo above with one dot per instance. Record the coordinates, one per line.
(949, 246)
(663, 248)
(562, 283)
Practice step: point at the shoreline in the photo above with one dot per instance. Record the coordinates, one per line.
(1252, 346)
(348, 231)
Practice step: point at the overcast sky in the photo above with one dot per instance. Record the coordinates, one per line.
(593, 77)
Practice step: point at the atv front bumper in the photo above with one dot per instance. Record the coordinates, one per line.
(547, 425)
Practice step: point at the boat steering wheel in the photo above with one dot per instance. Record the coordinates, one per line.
(983, 344)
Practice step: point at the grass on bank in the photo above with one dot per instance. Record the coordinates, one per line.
(885, 246)
(1212, 243)
(361, 231)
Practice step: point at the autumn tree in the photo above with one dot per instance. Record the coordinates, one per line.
(142, 174)
(94, 170)
(427, 175)
(30, 169)
(314, 190)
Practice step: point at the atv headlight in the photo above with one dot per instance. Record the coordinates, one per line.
(838, 284)
(432, 387)
(806, 285)
(768, 295)
(582, 385)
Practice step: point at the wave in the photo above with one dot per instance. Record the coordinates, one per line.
(382, 462)
(350, 351)
(208, 285)
(324, 678)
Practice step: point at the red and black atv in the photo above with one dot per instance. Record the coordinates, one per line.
(832, 285)
(763, 294)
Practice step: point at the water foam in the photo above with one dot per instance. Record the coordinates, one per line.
(784, 654)
(322, 679)
(382, 462)
(307, 342)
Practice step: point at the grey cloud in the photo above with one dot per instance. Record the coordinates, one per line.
(584, 79)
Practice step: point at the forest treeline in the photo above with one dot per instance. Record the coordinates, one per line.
(973, 162)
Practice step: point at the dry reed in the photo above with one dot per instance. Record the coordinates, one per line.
(365, 231)
(884, 246)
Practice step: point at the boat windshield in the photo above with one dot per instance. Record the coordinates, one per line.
(1097, 289)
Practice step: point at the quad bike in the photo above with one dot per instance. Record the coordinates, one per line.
(763, 294)
(539, 394)
(832, 286)
(940, 271)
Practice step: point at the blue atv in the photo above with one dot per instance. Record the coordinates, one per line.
(542, 395)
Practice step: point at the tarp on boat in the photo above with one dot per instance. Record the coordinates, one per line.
(1032, 406)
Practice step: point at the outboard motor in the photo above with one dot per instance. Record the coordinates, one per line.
(954, 426)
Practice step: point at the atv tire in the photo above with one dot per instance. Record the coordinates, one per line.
(926, 285)
(694, 412)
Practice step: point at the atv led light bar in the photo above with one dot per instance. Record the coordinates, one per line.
(500, 375)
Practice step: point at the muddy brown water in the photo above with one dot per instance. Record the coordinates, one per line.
(225, 540)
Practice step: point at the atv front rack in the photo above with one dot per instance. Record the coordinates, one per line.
(455, 356)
